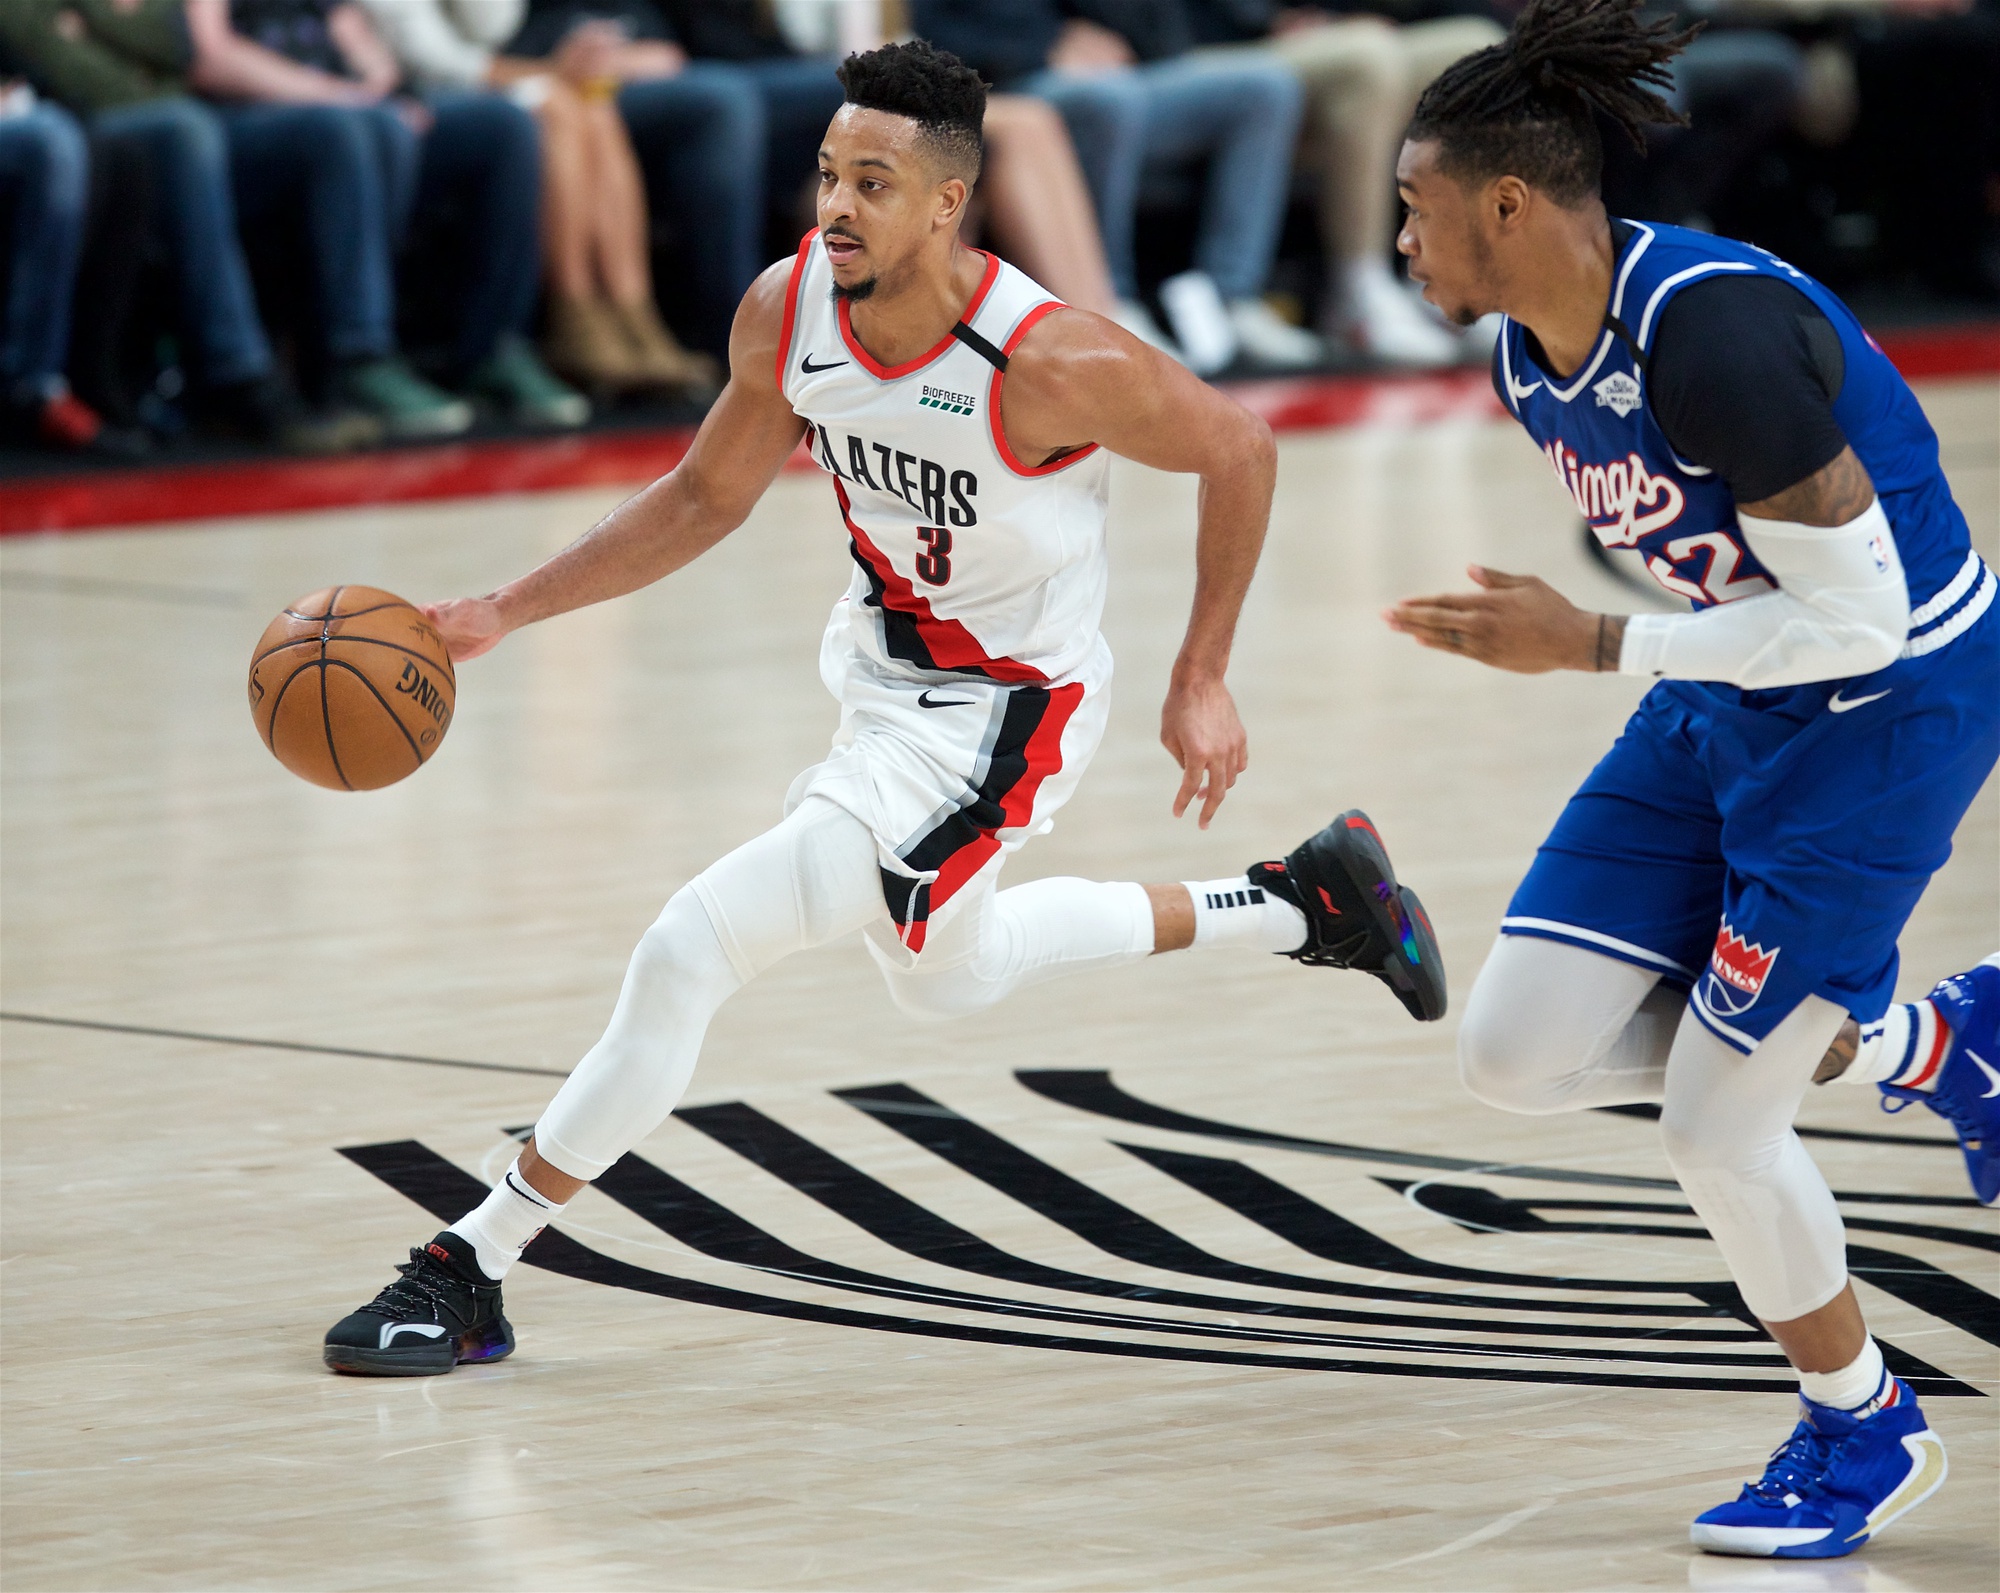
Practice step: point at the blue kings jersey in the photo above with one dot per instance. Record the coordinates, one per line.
(1599, 435)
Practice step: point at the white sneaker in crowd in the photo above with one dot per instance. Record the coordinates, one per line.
(1266, 338)
(1138, 320)
(1384, 320)
(1201, 322)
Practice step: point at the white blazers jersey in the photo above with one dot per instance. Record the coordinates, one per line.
(969, 560)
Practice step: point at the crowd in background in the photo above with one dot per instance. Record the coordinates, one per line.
(315, 224)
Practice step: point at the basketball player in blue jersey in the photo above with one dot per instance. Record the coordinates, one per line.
(1713, 919)
(964, 418)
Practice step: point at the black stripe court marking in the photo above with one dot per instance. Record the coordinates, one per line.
(1105, 1223)
(705, 1225)
(1651, 1113)
(447, 1191)
(917, 1231)
(114, 586)
(275, 1045)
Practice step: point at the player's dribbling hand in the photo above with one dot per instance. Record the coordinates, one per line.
(1517, 622)
(469, 625)
(1200, 728)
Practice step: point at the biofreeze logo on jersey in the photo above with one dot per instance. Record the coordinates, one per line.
(1612, 496)
(921, 483)
(950, 403)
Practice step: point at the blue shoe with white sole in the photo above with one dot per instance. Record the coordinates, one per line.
(1967, 1094)
(1835, 1483)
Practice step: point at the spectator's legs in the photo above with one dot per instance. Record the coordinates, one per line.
(1739, 88)
(624, 265)
(196, 212)
(44, 172)
(800, 95)
(1038, 205)
(700, 139)
(481, 165)
(275, 151)
(1106, 116)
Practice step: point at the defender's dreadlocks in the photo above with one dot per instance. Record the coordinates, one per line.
(936, 90)
(1525, 107)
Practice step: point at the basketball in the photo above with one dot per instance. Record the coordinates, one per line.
(351, 688)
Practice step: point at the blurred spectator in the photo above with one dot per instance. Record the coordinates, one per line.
(1362, 74)
(1119, 72)
(122, 65)
(604, 329)
(311, 92)
(1037, 204)
(44, 177)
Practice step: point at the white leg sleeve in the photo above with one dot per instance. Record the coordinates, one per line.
(1727, 1126)
(810, 880)
(999, 942)
(1550, 1027)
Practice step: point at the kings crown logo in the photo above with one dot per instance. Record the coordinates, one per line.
(950, 403)
(1737, 972)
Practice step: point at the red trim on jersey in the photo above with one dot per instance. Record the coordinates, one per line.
(890, 373)
(792, 306)
(949, 643)
(1940, 1043)
(993, 404)
(1044, 754)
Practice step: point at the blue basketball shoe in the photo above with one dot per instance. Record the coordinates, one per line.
(1837, 1481)
(1967, 1094)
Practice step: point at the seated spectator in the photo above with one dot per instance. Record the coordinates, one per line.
(309, 100)
(1362, 74)
(1119, 72)
(1037, 204)
(604, 329)
(122, 65)
(44, 186)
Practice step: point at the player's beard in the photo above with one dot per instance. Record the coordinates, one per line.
(861, 290)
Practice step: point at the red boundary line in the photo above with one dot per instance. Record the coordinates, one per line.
(628, 459)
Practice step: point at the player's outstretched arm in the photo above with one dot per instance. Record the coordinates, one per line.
(1078, 379)
(741, 447)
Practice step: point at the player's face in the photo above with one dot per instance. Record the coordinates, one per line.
(881, 201)
(1443, 237)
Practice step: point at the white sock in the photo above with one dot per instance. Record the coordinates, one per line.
(1906, 1048)
(501, 1225)
(1859, 1383)
(1233, 912)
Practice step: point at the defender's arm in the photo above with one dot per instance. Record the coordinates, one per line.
(742, 445)
(1078, 379)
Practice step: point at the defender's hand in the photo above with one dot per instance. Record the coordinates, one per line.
(1518, 622)
(469, 625)
(1199, 727)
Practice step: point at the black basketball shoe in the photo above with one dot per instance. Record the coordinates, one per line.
(1359, 917)
(441, 1311)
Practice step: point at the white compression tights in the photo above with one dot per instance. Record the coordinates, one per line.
(809, 881)
(1550, 1027)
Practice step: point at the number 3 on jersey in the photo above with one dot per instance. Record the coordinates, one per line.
(934, 565)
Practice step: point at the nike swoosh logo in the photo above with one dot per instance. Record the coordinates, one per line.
(811, 369)
(924, 701)
(1841, 705)
(429, 1330)
(1988, 1069)
(1519, 391)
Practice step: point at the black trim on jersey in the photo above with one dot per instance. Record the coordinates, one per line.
(901, 638)
(980, 346)
(1623, 333)
(1007, 765)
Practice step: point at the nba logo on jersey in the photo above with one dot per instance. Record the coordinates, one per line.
(1736, 973)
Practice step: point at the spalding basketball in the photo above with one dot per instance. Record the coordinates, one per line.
(352, 688)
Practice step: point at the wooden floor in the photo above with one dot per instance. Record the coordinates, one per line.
(1000, 1313)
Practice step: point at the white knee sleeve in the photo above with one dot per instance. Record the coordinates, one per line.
(1727, 1129)
(1550, 1027)
(1019, 937)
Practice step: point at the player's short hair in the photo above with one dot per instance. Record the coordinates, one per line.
(1527, 107)
(934, 89)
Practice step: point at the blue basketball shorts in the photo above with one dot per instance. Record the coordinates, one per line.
(1761, 847)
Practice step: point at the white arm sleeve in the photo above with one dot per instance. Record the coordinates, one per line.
(1841, 609)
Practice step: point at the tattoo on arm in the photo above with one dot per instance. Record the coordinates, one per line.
(1832, 495)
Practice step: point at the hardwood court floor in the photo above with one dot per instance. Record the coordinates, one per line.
(993, 1318)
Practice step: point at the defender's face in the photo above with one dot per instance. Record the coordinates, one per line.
(880, 199)
(1443, 237)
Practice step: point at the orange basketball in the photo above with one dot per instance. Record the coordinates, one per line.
(351, 688)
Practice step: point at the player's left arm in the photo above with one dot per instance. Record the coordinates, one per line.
(1078, 379)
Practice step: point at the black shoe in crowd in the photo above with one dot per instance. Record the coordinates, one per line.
(267, 410)
(442, 1310)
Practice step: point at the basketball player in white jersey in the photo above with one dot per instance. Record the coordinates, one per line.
(964, 417)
